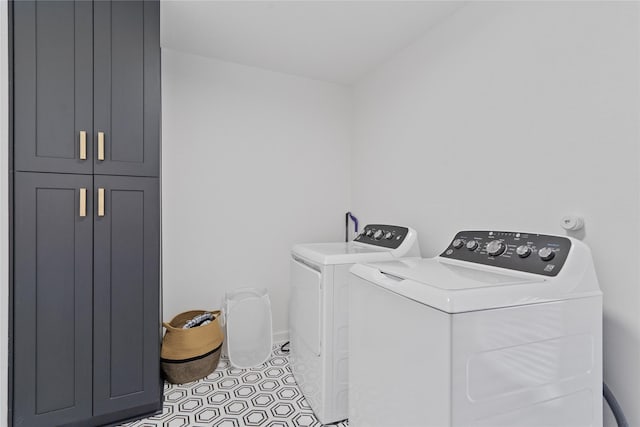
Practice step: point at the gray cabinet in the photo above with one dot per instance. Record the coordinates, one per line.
(86, 298)
(53, 85)
(86, 326)
(126, 293)
(87, 86)
(53, 298)
(127, 87)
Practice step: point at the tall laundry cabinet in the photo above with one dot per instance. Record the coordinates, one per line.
(85, 125)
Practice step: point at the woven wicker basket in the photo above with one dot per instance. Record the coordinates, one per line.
(190, 354)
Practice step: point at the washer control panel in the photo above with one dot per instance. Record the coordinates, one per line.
(532, 253)
(386, 236)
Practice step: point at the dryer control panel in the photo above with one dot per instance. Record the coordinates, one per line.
(386, 236)
(528, 252)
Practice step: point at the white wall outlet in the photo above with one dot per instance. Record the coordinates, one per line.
(572, 222)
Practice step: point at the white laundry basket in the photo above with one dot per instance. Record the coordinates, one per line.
(248, 328)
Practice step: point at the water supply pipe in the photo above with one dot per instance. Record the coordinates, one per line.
(346, 225)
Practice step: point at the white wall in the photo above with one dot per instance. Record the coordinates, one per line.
(508, 116)
(253, 162)
(4, 209)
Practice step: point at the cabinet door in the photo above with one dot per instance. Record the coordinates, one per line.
(126, 294)
(53, 85)
(127, 86)
(52, 299)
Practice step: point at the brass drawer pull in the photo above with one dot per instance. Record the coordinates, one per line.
(100, 145)
(83, 145)
(83, 202)
(100, 201)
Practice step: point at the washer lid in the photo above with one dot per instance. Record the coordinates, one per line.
(341, 253)
(456, 287)
(448, 276)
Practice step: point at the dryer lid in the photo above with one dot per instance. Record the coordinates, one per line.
(341, 253)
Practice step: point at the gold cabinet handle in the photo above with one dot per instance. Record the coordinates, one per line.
(101, 146)
(83, 202)
(100, 201)
(83, 145)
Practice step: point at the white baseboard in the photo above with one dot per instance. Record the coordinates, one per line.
(280, 336)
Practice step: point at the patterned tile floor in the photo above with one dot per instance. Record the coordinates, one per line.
(264, 396)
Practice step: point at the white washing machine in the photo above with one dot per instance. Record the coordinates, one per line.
(318, 320)
(501, 329)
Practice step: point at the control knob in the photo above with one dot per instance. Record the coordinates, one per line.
(388, 235)
(546, 254)
(496, 248)
(458, 243)
(472, 245)
(377, 235)
(523, 251)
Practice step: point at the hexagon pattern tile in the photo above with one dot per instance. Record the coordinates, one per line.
(264, 396)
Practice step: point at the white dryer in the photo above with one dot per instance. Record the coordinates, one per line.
(318, 318)
(501, 329)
